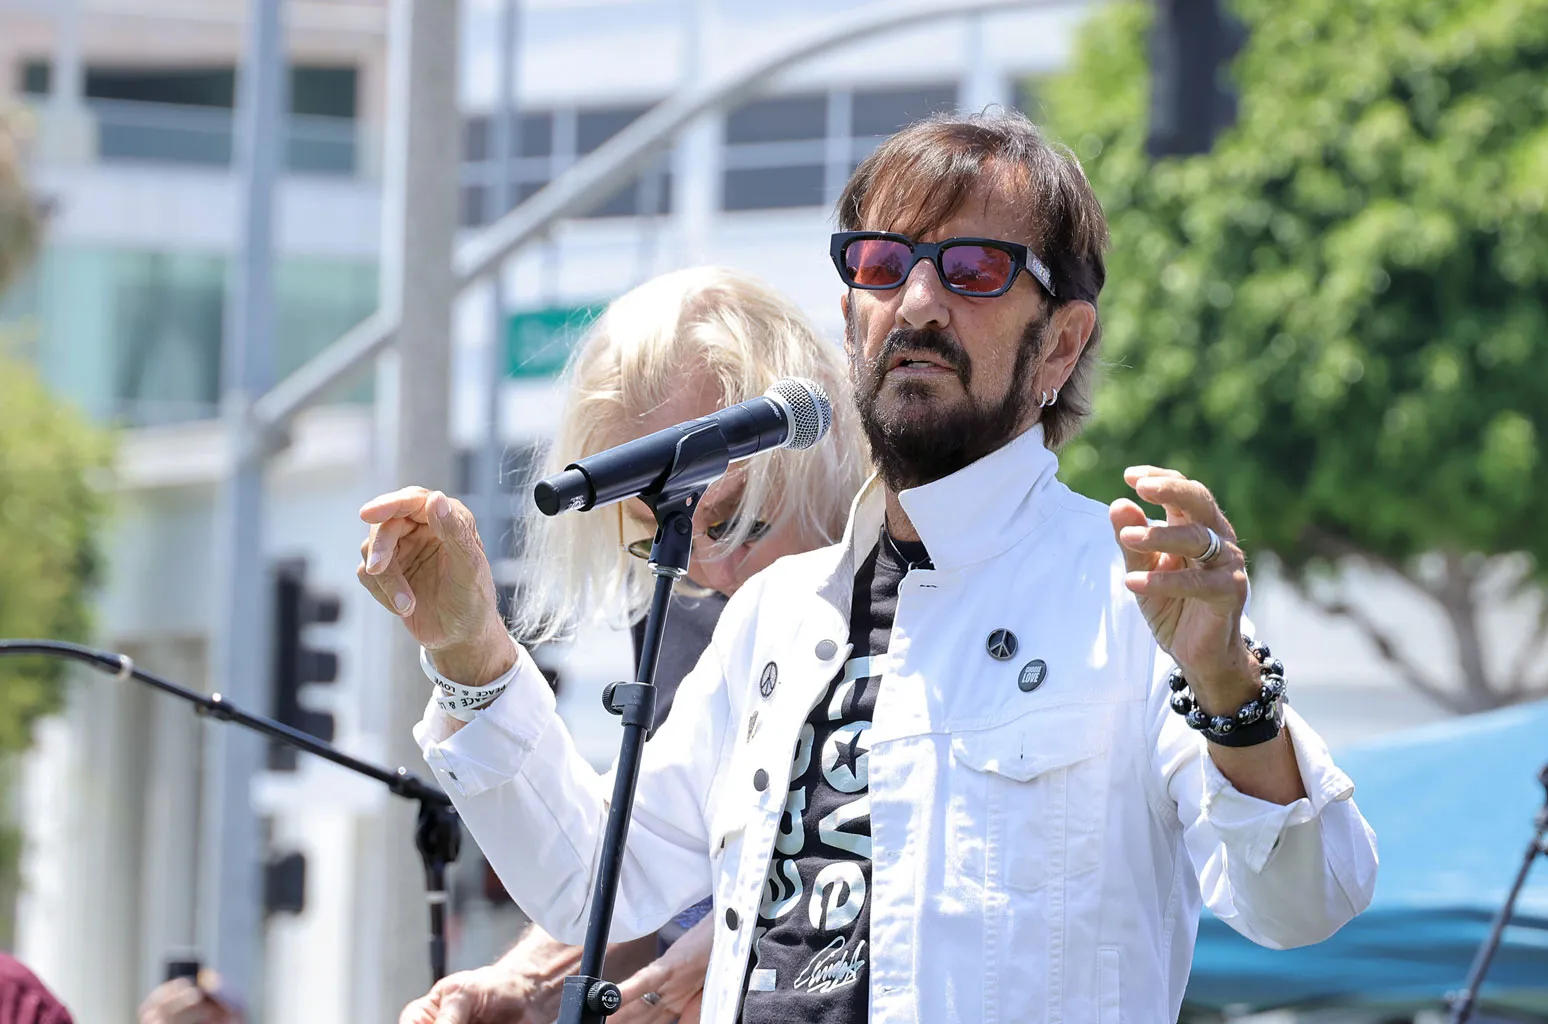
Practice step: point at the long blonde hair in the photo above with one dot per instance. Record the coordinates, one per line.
(635, 358)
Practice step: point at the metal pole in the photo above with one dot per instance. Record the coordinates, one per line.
(696, 174)
(67, 138)
(489, 504)
(230, 894)
(419, 229)
(68, 85)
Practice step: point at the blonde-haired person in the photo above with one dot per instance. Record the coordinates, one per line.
(673, 349)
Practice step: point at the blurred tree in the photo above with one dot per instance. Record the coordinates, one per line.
(52, 505)
(1339, 317)
(18, 221)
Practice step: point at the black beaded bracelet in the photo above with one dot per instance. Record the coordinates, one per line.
(1257, 721)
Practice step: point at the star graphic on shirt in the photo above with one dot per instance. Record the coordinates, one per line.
(849, 754)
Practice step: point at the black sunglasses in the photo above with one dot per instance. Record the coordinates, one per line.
(714, 531)
(978, 267)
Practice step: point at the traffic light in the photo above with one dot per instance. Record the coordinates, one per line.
(296, 663)
(1192, 99)
(284, 883)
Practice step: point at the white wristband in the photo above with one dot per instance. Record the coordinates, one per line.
(461, 702)
(465, 709)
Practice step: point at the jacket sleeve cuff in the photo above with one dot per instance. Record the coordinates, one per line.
(492, 748)
(1251, 827)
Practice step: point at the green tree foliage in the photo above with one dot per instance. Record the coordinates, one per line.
(18, 225)
(51, 500)
(1339, 317)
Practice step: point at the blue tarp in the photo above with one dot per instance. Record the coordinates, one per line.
(1453, 806)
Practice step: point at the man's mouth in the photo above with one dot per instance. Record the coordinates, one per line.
(917, 364)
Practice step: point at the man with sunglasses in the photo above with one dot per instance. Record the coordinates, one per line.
(984, 759)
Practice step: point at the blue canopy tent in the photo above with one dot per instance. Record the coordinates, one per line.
(1453, 806)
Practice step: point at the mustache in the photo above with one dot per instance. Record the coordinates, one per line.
(936, 343)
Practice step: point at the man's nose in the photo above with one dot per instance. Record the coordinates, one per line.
(924, 300)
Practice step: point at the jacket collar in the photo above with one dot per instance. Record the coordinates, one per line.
(976, 513)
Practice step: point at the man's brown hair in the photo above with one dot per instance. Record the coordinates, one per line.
(920, 177)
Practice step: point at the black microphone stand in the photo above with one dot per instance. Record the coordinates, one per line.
(588, 999)
(1462, 1002)
(436, 835)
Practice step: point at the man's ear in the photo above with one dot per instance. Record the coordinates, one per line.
(1071, 328)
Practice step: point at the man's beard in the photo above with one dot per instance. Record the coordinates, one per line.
(914, 449)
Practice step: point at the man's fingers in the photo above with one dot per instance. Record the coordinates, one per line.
(1188, 541)
(397, 596)
(1189, 498)
(456, 1008)
(391, 589)
(184, 1003)
(646, 979)
(650, 978)
(407, 501)
(635, 1010)
(1125, 516)
(1214, 586)
(453, 522)
(383, 542)
(420, 1011)
(1134, 474)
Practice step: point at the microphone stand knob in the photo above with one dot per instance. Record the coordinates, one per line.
(604, 998)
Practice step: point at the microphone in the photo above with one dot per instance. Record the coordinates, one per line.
(794, 413)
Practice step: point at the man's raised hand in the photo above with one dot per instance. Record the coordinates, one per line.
(1194, 607)
(423, 561)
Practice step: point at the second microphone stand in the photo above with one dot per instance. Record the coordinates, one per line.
(437, 835)
(1463, 1002)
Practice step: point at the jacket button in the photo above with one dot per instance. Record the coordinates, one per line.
(760, 780)
(826, 649)
(731, 919)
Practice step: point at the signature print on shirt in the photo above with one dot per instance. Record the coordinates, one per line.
(832, 967)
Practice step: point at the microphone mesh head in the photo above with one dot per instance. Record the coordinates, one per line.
(811, 414)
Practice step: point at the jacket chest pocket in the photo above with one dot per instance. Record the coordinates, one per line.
(1031, 809)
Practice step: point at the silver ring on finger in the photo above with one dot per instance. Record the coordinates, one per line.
(1213, 551)
(651, 997)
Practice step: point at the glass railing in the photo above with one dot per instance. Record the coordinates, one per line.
(128, 131)
(134, 336)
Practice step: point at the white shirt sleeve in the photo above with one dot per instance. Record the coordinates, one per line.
(1282, 875)
(538, 810)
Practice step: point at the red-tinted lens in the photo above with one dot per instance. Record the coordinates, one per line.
(976, 268)
(877, 262)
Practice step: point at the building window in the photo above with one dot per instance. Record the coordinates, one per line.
(150, 324)
(770, 188)
(185, 115)
(799, 150)
(472, 203)
(544, 143)
(475, 139)
(596, 126)
(880, 112)
(534, 134)
(784, 119)
(648, 195)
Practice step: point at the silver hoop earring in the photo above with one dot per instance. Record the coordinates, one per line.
(1045, 399)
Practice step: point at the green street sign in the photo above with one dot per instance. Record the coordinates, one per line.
(538, 342)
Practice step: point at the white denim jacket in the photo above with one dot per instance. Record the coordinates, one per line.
(1038, 855)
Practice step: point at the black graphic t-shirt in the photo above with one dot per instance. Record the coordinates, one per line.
(811, 951)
